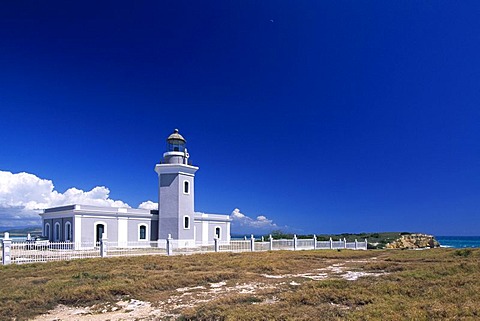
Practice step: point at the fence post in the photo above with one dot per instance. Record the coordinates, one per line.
(344, 243)
(356, 244)
(270, 238)
(331, 244)
(169, 244)
(217, 245)
(103, 245)
(314, 242)
(294, 242)
(6, 249)
(252, 243)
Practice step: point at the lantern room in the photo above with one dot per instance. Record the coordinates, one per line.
(176, 142)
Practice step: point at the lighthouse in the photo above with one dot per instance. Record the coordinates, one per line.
(176, 182)
(176, 216)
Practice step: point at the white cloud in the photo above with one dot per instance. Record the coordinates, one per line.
(149, 205)
(236, 215)
(243, 224)
(22, 195)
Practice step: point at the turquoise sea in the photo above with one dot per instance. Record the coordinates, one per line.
(458, 242)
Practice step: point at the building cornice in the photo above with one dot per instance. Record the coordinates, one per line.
(77, 209)
(198, 217)
(175, 169)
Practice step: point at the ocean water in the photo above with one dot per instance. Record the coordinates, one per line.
(458, 242)
(16, 238)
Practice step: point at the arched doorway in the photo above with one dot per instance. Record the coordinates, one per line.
(99, 230)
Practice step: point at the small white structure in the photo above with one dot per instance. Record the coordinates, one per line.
(175, 215)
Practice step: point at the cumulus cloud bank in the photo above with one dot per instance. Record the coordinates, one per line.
(22, 195)
(149, 205)
(244, 224)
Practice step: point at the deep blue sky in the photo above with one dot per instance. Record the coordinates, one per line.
(326, 116)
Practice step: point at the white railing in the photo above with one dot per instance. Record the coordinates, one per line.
(236, 246)
(351, 246)
(28, 252)
(305, 244)
(360, 245)
(24, 252)
(136, 248)
(338, 245)
(323, 245)
(282, 244)
(189, 247)
(262, 246)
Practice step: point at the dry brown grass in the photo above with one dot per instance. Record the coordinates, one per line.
(420, 285)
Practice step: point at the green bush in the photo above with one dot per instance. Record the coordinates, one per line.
(463, 252)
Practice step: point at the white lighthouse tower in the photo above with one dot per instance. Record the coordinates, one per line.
(176, 178)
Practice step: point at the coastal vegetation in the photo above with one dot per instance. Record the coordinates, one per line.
(282, 285)
(376, 240)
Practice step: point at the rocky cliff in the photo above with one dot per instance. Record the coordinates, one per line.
(414, 241)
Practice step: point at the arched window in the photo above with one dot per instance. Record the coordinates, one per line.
(68, 231)
(142, 232)
(186, 222)
(56, 232)
(217, 232)
(186, 187)
(47, 230)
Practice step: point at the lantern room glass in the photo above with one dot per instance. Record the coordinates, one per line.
(175, 145)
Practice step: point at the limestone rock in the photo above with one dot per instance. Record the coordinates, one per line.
(414, 241)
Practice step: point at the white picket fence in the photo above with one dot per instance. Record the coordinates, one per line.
(27, 252)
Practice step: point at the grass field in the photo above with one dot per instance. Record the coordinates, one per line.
(283, 285)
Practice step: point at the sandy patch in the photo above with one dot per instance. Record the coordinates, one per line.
(120, 311)
(334, 270)
(217, 285)
(190, 288)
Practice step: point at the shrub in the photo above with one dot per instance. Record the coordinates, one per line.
(463, 252)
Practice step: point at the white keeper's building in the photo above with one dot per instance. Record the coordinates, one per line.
(175, 215)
